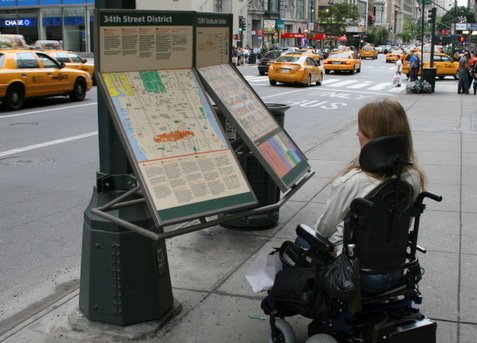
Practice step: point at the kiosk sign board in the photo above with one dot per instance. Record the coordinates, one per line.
(269, 142)
(179, 152)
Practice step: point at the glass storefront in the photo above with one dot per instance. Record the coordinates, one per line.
(67, 21)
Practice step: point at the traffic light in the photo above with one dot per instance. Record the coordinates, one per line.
(431, 15)
(461, 39)
(242, 23)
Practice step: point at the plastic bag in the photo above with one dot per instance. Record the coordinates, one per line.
(261, 273)
(396, 79)
(341, 278)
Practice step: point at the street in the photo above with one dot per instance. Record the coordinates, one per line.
(49, 157)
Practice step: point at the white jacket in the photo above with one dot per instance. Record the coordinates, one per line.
(354, 184)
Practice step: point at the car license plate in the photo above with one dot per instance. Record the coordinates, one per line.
(285, 70)
(335, 62)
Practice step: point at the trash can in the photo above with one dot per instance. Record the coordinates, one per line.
(429, 75)
(265, 189)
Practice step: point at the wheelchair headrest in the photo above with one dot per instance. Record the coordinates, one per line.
(384, 154)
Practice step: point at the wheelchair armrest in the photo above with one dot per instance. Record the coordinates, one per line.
(316, 241)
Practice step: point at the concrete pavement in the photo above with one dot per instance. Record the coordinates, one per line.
(208, 267)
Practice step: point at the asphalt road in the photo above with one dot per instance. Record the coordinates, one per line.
(49, 159)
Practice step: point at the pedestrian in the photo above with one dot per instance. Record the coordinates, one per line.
(376, 119)
(474, 76)
(397, 75)
(413, 66)
(463, 85)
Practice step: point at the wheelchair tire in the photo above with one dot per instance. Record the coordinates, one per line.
(321, 338)
(287, 334)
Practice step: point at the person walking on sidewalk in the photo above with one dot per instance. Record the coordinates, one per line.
(397, 76)
(463, 85)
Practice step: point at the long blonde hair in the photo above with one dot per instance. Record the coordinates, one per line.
(386, 118)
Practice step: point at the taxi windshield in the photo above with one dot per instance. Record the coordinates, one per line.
(340, 55)
(287, 58)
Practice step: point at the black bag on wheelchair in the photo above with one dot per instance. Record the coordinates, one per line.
(297, 291)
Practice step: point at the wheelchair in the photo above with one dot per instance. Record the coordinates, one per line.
(380, 236)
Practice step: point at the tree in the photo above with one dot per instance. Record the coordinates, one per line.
(377, 35)
(456, 15)
(337, 17)
(410, 30)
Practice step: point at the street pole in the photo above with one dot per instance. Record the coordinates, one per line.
(124, 276)
(422, 36)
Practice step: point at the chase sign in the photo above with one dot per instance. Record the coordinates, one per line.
(18, 22)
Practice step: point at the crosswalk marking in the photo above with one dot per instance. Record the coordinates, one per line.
(355, 83)
(380, 86)
(362, 84)
(343, 83)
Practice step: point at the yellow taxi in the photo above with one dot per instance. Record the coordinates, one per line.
(446, 66)
(368, 51)
(27, 74)
(73, 60)
(295, 68)
(393, 54)
(309, 52)
(342, 61)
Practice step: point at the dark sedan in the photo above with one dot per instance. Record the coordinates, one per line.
(268, 59)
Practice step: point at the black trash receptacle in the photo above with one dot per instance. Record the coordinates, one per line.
(252, 58)
(429, 75)
(265, 189)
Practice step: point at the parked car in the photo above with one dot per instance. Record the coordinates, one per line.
(295, 68)
(73, 60)
(446, 66)
(27, 74)
(342, 61)
(268, 59)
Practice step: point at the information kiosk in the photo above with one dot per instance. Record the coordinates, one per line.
(157, 71)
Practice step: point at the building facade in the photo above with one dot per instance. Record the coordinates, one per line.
(267, 22)
(68, 21)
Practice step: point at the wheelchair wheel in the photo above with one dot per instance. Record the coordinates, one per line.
(285, 332)
(321, 338)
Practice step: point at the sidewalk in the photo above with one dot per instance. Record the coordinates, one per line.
(208, 267)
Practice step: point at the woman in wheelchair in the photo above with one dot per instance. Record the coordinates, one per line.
(377, 119)
(367, 222)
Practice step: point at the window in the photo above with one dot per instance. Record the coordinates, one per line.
(47, 61)
(26, 60)
(75, 58)
(2, 60)
(63, 57)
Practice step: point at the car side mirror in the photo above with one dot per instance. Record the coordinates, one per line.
(84, 60)
(318, 63)
(62, 65)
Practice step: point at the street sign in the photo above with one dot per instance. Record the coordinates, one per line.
(426, 2)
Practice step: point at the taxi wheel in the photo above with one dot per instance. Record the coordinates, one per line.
(456, 76)
(273, 82)
(308, 81)
(79, 90)
(352, 71)
(327, 71)
(358, 70)
(14, 98)
(320, 80)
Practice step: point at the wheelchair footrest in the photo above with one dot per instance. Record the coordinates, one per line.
(422, 330)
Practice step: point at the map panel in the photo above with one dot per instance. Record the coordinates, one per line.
(181, 152)
(269, 142)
